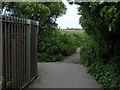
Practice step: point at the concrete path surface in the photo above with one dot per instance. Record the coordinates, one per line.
(64, 74)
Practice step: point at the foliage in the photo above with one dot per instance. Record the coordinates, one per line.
(101, 52)
(55, 47)
(106, 74)
(45, 13)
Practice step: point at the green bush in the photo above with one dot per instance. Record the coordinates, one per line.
(54, 46)
(106, 74)
(101, 51)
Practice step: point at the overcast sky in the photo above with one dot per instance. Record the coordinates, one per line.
(71, 18)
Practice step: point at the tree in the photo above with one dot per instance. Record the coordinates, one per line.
(45, 13)
(101, 22)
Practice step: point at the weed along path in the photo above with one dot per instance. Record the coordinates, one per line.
(64, 74)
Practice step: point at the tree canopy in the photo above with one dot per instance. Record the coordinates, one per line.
(101, 21)
(45, 13)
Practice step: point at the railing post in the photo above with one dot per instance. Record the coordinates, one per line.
(28, 31)
(36, 44)
(1, 52)
(33, 58)
(1, 45)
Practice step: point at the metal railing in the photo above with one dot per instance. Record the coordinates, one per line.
(18, 51)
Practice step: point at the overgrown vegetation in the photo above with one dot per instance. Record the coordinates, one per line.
(56, 46)
(106, 74)
(100, 51)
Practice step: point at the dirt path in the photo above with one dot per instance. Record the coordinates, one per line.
(64, 74)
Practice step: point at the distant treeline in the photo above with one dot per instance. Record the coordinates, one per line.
(72, 29)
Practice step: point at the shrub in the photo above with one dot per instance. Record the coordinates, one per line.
(106, 74)
(101, 52)
(55, 46)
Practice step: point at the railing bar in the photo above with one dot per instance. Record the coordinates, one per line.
(24, 53)
(14, 53)
(10, 55)
(7, 52)
(4, 55)
(8, 47)
(20, 58)
(1, 50)
(17, 57)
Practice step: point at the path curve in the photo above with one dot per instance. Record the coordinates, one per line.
(64, 74)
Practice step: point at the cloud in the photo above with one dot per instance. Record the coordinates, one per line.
(71, 18)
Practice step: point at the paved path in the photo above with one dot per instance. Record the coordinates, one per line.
(64, 74)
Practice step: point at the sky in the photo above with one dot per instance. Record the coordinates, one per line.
(70, 19)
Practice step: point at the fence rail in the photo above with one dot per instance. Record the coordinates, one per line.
(18, 49)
